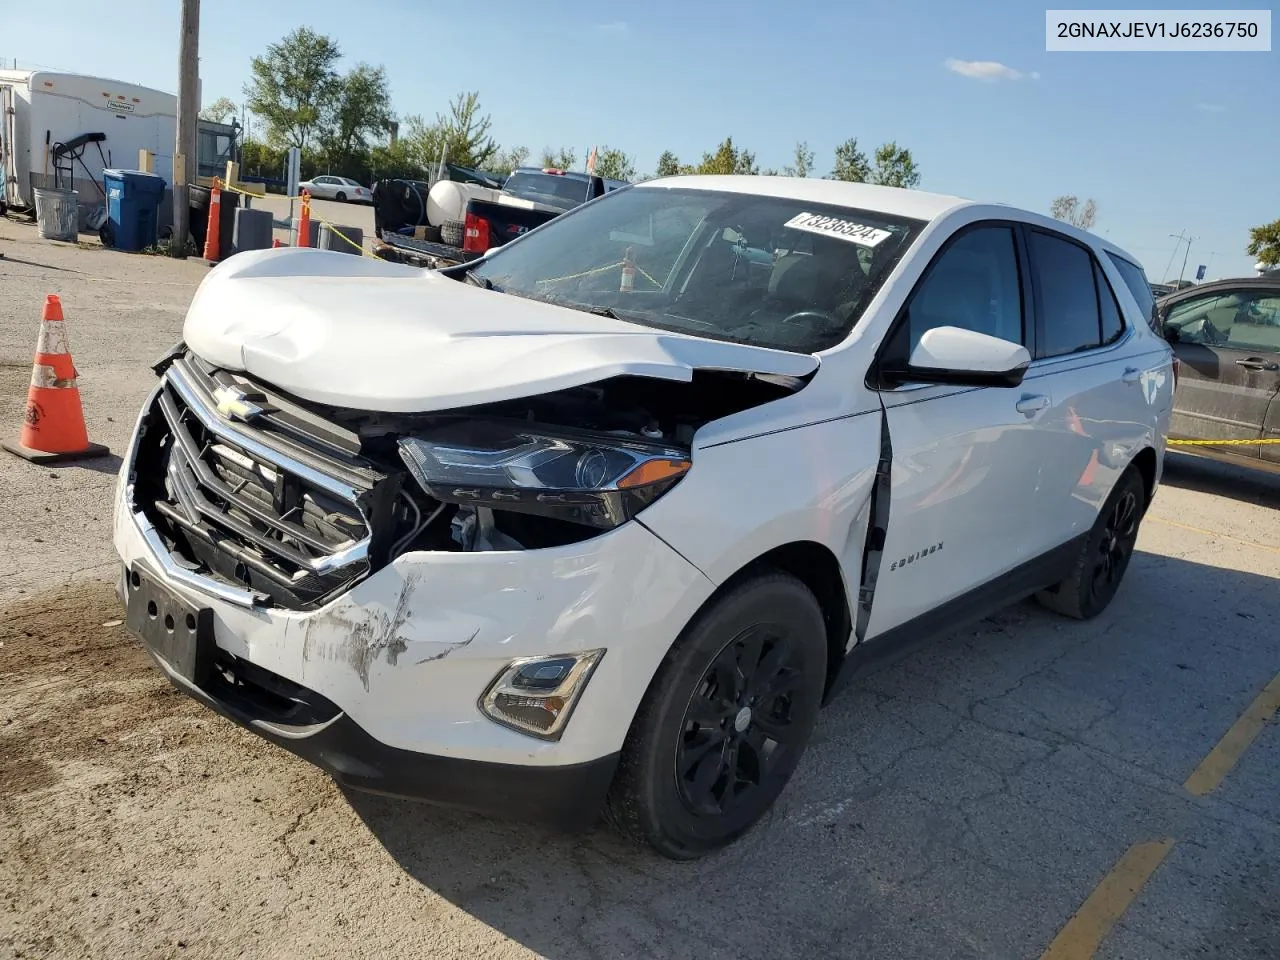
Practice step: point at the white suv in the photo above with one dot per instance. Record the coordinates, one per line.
(602, 519)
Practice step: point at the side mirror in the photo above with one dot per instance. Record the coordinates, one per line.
(960, 356)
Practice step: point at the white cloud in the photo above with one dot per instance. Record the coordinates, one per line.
(985, 70)
(1211, 107)
(618, 26)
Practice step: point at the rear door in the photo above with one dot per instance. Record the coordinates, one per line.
(1109, 377)
(8, 157)
(1229, 345)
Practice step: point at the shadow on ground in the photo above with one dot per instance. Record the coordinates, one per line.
(1246, 484)
(959, 802)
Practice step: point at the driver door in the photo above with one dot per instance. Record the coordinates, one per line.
(1229, 345)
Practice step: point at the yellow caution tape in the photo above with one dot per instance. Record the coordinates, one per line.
(1220, 443)
(585, 273)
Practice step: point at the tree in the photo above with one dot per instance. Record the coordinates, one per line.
(1067, 208)
(360, 110)
(294, 85)
(668, 165)
(566, 158)
(615, 165)
(895, 167)
(728, 159)
(463, 134)
(220, 111)
(851, 163)
(1264, 243)
(504, 161)
(803, 164)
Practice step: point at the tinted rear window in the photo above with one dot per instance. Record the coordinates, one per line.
(548, 188)
(1135, 278)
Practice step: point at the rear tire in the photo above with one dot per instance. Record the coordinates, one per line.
(725, 720)
(1103, 559)
(341, 197)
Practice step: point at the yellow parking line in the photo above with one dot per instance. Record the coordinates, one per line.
(1089, 926)
(1213, 768)
(1213, 533)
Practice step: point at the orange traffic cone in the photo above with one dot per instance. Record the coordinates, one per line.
(304, 221)
(54, 425)
(214, 227)
(276, 244)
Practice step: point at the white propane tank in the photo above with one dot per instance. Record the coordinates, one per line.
(447, 200)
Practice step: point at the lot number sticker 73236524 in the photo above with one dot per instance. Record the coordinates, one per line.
(841, 229)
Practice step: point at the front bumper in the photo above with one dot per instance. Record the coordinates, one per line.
(403, 657)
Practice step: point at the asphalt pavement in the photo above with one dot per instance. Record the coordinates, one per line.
(1026, 787)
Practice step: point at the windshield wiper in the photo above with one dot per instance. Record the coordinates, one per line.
(484, 282)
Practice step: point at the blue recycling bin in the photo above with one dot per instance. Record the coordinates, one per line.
(133, 207)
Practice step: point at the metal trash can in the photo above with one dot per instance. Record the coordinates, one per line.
(332, 238)
(252, 231)
(133, 209)
(57, 213)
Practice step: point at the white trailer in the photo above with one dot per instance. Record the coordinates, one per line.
(43, 109)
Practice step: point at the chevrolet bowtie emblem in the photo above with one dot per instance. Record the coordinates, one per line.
(232, 404)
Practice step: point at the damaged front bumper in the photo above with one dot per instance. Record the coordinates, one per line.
(380, 685)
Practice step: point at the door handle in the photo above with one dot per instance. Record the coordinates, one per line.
(1131, 375)
(1031, 404)
(1257, 363)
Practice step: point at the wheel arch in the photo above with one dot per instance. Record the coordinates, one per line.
(1145, 462)
(817, 567)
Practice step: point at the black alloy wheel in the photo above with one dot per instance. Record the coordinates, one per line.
(725, 720)
(1102, 561)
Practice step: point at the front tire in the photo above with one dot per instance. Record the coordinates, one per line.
(1104, 558)
(725, 721)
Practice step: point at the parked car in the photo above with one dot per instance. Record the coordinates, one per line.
(342, 189)
(1226, 335)
(603, 518)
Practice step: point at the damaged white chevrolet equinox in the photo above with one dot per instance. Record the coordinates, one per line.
(600, 521)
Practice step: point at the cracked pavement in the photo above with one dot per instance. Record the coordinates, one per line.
(960, 802)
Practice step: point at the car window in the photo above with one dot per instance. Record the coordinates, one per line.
(1238, 320)
(1068, 303)
(974, 285)
(1135, 278)
(1108, 308)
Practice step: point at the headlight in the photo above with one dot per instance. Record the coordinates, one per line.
(535, 695)
(593, 479)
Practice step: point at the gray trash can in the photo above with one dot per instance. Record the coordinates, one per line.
(57, 214)
(252, 230)
(332, 239)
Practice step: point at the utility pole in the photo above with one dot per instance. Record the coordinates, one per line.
(1180, 237)
(184, 150)
(1185, 255)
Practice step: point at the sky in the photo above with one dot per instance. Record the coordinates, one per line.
(1164, 142)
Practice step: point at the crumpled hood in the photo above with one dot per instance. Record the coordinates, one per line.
(361, 333)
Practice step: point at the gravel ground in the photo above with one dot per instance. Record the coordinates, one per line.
(962, 802)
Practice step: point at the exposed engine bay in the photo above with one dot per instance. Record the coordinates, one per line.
(298, 501)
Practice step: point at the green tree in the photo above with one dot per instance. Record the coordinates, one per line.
(615, 164)
(463, 134)
(895, 167)
(220, 111)
(1067, 208)
(565, 158)
(294, 86)
(728, 159)
(851, 163)
(1264, 243)
(361, 110)
(802, 166)
(504, 161)
(668, 165)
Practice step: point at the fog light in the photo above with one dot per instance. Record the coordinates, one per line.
(535, 695)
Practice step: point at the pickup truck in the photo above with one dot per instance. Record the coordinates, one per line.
(406, 214)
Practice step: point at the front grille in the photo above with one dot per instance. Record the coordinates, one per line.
(265, 505)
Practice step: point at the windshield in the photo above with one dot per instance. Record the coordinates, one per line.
(768, 271)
